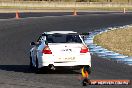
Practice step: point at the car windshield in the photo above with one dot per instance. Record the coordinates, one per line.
(63, 38)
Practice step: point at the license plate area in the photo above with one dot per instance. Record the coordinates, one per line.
(66, 50)
(67, 58)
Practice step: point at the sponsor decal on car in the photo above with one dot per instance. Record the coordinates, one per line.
(67, 58)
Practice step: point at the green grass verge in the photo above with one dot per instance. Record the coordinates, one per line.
(69, 8)
(117, 40)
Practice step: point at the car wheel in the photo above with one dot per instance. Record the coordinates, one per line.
(88, 69)
(37, 70)
(31, 64)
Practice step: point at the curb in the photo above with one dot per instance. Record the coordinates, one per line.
(105, 53)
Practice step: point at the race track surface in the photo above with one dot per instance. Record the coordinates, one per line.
(15, 36)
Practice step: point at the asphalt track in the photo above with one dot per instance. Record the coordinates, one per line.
(15, 36)
(36, 14)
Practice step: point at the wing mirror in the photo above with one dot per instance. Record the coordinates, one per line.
(83, 37)
(32, 43)
(46, 42)
(44, 34)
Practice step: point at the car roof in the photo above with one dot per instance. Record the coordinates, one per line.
(60, 32)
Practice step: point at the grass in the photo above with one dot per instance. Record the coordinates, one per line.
(106, 8)
(68, 8)
(117, 40)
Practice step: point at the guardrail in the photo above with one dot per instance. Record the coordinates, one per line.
(63, 4)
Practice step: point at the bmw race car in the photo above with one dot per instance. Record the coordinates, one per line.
(59, 48)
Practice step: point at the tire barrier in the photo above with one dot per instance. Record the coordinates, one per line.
(105, 53)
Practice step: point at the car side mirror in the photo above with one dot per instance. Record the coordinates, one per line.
(32, 43)
(44, 34)
(83, 37)
(46, 42)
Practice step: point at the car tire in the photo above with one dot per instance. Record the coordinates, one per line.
(31, 64)
(88, 69)
(37, 70)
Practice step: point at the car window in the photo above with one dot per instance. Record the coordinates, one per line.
(63, 38)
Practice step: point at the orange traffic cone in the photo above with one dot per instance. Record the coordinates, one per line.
(75, 12)
(17, 15)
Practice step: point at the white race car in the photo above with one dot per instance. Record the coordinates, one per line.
(60, 48)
